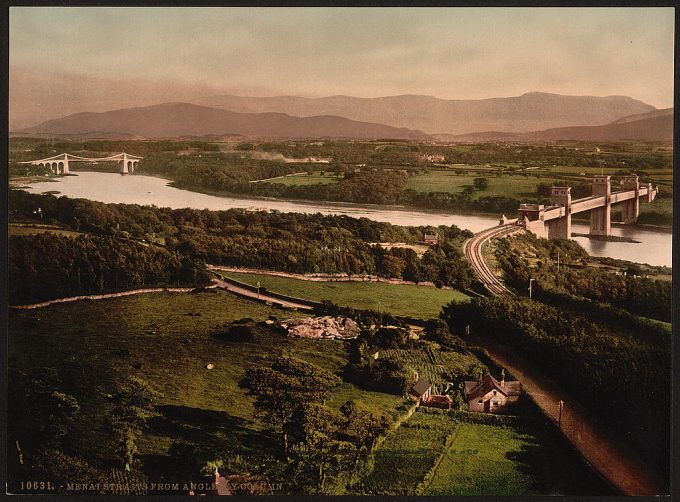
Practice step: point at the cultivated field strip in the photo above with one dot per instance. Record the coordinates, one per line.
(473, 251)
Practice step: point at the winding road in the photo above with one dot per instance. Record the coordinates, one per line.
(606, 452)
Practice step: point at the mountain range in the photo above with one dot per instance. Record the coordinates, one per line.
(169, 120)
(588, 118)
(656, 125)
(534, 111)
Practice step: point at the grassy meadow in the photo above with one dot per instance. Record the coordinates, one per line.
(166, 339)
(315, 178)
(435, 454)
(450, 181)
(407, 300)
(18, 229)
(406, 455)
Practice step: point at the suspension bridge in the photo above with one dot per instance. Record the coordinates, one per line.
(59, 164)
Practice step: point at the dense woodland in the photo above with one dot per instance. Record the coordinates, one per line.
(281, 241)
(618, 368)
(639, 291)
(47, 266)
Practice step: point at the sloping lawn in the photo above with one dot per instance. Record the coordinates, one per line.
(407, 300)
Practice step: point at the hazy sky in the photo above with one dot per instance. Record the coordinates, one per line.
(103, 58)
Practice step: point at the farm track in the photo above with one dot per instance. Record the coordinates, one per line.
(261, 297)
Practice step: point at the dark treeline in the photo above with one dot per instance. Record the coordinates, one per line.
(636, 156)
(301, 243)
(215, 170)
(635, 292)
(368, 186)
(32, 149)
(47, 266)
(614, 371)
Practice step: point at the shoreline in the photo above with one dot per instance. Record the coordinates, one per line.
(386, 207)
(338, 204)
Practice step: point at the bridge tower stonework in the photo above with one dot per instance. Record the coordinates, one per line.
(630, 209)
(560, 228)
(64, 169)
(601, 217)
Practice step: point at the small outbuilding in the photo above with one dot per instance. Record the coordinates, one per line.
(431, 239)
(488, 395)
(420, 390)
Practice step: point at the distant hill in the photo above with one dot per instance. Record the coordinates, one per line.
(656, 125)
(533, 111)
(171, 120)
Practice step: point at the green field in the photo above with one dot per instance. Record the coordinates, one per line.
(408, 300)
(165, 338)
(407, 454)
(315, 178)
(517, 186)
(494, 460)
(15, 229)
(480, 460)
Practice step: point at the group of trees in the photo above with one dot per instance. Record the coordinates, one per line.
(47, 266)
(301, 243)
(375, 365)
(41, 435)
(323, 446)
(618, 367)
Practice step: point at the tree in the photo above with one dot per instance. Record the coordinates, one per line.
(390, 376)
(133, 405)
(393, 266)
(480, 183)
(321, 455)
(282, 388)
(40, 412)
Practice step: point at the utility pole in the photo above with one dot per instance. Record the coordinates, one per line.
(530, 282)
(559, 418)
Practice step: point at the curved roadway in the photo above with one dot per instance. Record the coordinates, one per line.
(607, 453)
(473, 252)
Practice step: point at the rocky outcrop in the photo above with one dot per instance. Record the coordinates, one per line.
(326, 327)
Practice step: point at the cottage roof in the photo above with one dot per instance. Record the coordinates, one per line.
(420, 387)
(475, 390)
(440, 399)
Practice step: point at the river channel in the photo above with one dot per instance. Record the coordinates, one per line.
(654, 248)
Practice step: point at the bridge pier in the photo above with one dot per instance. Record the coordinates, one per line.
(630, 210)
(560, 228)
(601, 217)
(129, 165)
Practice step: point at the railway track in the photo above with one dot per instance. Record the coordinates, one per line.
(473, 252)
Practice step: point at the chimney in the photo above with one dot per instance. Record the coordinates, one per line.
(217, 477)
(481, 375)
(503, 378)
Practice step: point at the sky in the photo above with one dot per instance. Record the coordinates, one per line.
(65, 60)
